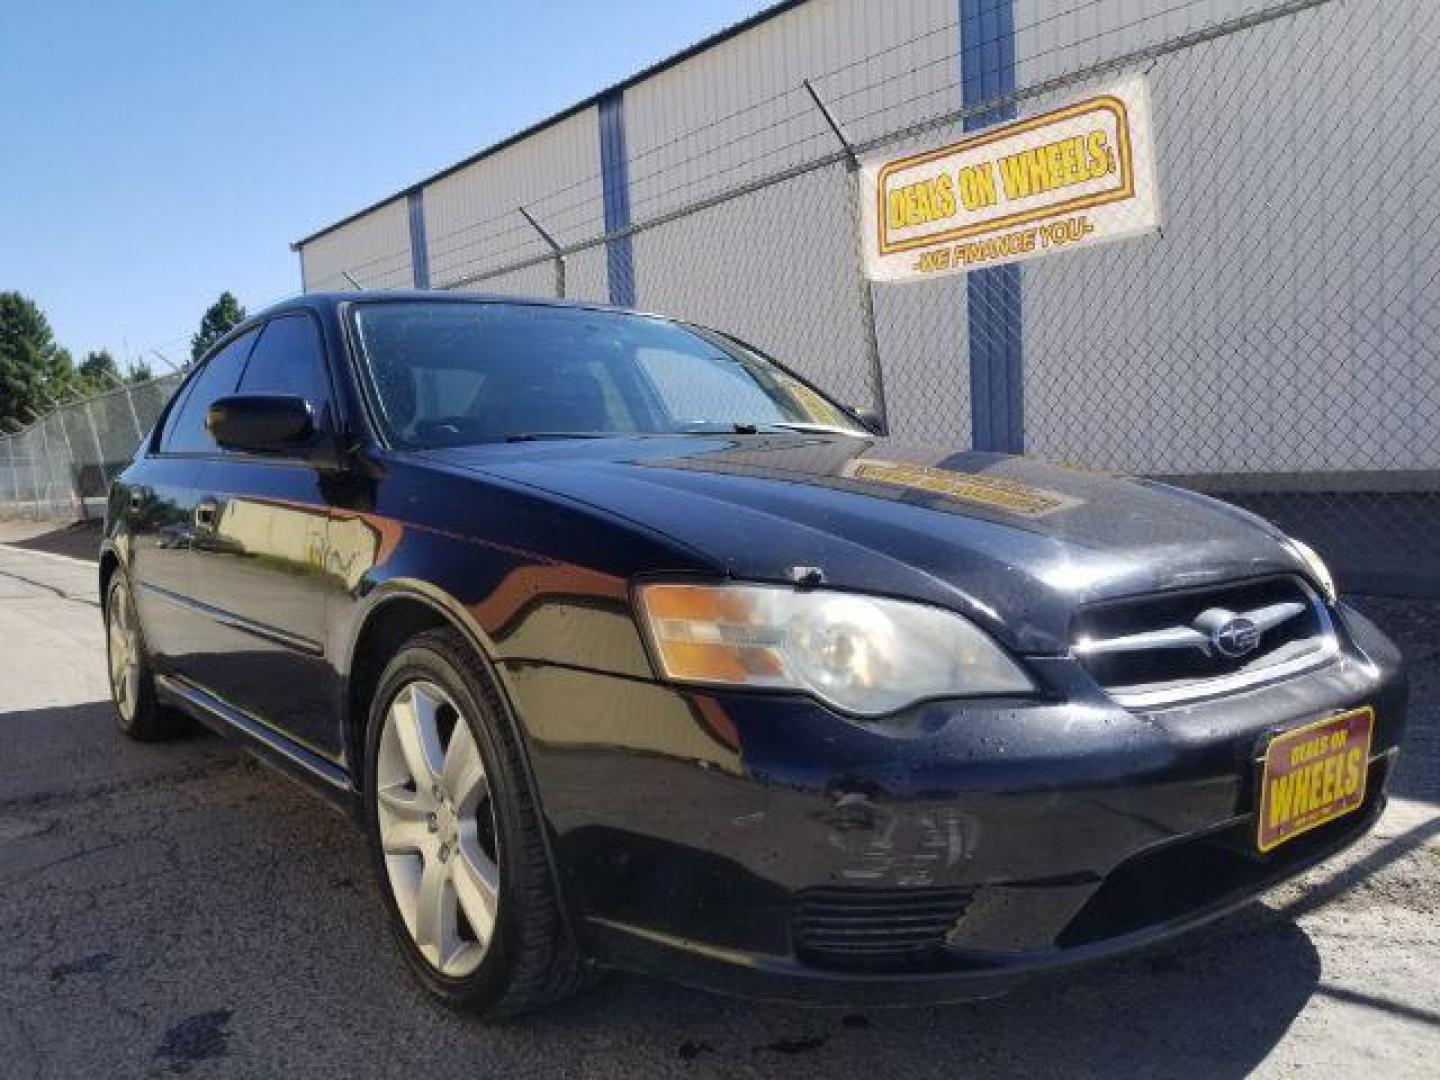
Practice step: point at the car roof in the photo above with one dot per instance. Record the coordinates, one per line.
(329, 301)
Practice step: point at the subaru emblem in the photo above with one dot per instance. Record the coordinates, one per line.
(1236, 637)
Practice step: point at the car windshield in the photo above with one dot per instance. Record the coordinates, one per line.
(451, 373)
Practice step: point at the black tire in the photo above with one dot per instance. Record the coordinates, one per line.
(530, 960)
(138, 714)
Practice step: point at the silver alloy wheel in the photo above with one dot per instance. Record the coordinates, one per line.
(438, 828)
(124, 650)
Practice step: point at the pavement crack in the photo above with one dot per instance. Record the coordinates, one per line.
(74, 598)
(41, 799)
(40, 869)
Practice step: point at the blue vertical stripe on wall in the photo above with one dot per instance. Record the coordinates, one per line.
(419, 251)
(615, 192)
(997, 403)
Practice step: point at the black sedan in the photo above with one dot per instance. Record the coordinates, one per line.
(633, 649)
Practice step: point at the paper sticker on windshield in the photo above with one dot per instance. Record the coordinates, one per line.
(990, 491)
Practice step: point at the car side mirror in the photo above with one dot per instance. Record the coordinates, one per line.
(870, 420)
(261, 423)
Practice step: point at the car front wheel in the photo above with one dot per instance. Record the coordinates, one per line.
(456, 836)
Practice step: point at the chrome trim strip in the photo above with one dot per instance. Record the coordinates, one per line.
(1225, 684)
(213, 712)
(237, 622)
(1267, 618)
(1171, 637)
(1200, 689)
(1188, 637)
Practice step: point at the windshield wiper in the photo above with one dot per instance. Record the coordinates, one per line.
(536, 436)
(740, 427)
(717, 427)
(818, 429)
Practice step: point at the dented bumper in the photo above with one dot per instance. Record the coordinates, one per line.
(763, 845)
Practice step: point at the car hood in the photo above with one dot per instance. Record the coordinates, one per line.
(1015, 543)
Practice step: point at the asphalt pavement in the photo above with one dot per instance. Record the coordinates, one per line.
(178, 909)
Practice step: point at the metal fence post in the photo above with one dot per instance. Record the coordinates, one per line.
(134, 416)
(70, 464)
(556, 251)
(15, 468)
(124, 389)
(49, 474)
(60, 455)
(34, 475)
(14, 472)
(867, 287)
(99, 454)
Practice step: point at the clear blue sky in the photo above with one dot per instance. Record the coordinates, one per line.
(153, 154)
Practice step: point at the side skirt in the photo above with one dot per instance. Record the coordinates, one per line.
(288, 757)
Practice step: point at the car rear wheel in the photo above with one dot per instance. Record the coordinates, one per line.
(456, 837)
(132, 685)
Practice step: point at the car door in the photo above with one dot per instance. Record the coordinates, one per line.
(166, 492)
(259, 558)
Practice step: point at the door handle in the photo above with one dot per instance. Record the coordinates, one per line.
(205, 515)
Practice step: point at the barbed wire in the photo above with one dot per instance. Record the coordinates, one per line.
(1243, 343)
(556, 216)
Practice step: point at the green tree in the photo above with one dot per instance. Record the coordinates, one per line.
(139, 372)
(220, 317)
(98, 372)
(33, 370)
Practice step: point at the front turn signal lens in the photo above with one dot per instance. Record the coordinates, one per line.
(862, 654)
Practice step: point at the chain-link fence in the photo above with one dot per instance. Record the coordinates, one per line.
(60, 467)
(1275, 344)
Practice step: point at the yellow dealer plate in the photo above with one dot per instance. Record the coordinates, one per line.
(1313, 774)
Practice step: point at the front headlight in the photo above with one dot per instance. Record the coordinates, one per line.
(861, 654)
(1316, 566)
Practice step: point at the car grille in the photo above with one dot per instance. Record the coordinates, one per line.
(874, 928)
(1191, 643)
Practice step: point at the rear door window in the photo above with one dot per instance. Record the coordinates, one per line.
(185, 431)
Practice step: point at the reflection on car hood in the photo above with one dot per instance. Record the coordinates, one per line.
(1014, 542)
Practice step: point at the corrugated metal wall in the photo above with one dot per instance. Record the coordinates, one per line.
(737, 111)
(1277, 325)
(1187, 354)
(374, 249)
(472, 220)
(748, 116)
(733, 113)
(1055, 37)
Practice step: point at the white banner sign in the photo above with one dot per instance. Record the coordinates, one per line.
(1079, 175)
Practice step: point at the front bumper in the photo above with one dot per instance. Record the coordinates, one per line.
(762, 845)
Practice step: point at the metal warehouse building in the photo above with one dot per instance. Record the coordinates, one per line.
(1274, 342)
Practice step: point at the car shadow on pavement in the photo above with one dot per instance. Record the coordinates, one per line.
(1213, 1005)
(1357, 871)
(165, 889)
(80, 540)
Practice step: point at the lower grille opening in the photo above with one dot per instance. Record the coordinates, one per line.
(874, 929)
(1190, 875)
